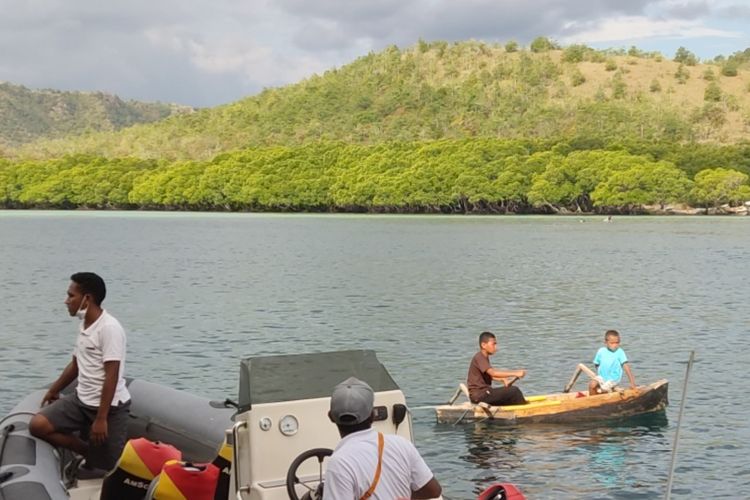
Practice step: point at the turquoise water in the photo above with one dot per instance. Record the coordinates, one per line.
(199, 291)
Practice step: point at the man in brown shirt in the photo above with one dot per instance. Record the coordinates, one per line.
(481, 374)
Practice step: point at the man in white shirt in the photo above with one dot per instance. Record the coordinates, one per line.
(367, 464)
(98, 408)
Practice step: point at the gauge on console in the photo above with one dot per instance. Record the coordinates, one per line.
(288, 425)
(265, 424)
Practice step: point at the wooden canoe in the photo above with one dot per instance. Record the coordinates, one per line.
(562, 408)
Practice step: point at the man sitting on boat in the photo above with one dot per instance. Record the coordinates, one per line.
(92, 420)
(481, 374)
(369, 464)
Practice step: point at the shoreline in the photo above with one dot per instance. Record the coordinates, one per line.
(643, 211)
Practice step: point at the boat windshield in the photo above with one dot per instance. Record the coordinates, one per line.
(272, 379)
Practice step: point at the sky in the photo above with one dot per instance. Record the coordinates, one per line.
(209, 52)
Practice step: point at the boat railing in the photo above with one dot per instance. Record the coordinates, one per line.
(236, 459)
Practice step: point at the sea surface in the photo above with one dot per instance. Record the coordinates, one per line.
(197, 292)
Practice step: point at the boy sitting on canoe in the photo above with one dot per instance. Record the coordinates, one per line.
(610, 362)
(481, 374)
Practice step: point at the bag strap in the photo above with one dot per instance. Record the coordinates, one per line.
(381, 443)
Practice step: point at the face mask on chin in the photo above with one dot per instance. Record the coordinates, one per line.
(81, 313)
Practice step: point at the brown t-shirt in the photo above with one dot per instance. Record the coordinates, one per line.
(478, 380)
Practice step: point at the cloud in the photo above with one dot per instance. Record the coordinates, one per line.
(205, 53)
(259, 65)
(339, 25)
(734, 12)
(168, 50)
(638, 28)
(686, 10)
(346, 11)
(319, 35)
(403, 22)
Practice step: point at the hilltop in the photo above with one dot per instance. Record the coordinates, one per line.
(436, 128)
(28, 115)
(470, 89)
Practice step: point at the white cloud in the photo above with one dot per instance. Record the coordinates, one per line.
(165, 38)
(204, 53)
(629, 28)
(256, 64)
(259, 64)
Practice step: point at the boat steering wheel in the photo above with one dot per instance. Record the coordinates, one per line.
(291, 476)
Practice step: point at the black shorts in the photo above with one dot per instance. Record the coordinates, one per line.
(500, 396)
(69, 415)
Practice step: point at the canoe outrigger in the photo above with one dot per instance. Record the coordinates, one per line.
(559, 408)
(278, 423)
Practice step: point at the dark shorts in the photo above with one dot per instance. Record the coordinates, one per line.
(500, 396)
(69, 415)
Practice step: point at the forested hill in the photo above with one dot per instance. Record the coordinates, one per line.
(464, 90)
(28, 115)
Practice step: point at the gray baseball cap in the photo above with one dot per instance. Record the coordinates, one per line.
(351, 402)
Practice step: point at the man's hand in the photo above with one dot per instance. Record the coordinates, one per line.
(99, 431)
(521, 373)
(50, 397)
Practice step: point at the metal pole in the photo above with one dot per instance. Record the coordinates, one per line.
(679, 421)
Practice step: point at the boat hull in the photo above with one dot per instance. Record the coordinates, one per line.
(158, 413)
(564, 408)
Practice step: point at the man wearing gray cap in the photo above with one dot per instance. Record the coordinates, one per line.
(367, 464)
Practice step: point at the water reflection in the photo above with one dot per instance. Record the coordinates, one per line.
(489, 449)
(600, 453)
(491, 453)
(609, 447)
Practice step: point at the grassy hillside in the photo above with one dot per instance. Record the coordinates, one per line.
(28, 115)
(455, 91)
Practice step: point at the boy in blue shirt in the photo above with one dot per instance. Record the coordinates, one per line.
(610, 362)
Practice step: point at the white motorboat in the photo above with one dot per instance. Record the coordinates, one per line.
(278, 428)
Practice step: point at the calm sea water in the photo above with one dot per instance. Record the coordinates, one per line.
(199, 291)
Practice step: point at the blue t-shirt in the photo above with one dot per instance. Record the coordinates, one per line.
(610, 363)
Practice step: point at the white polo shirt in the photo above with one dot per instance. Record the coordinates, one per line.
(351, 469)
(104, 340)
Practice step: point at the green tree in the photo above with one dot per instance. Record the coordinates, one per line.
(569, 181)
(717, 186)
(575, 53)
(514, 181)
(555, 186)
(618, 86)
(730, 68)
(710, 118)
(712, 93)
(647, 183)
(577, 78)
(684, 56)
(542, 44)
(682, 74)
(633, 51)
(511, 46)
